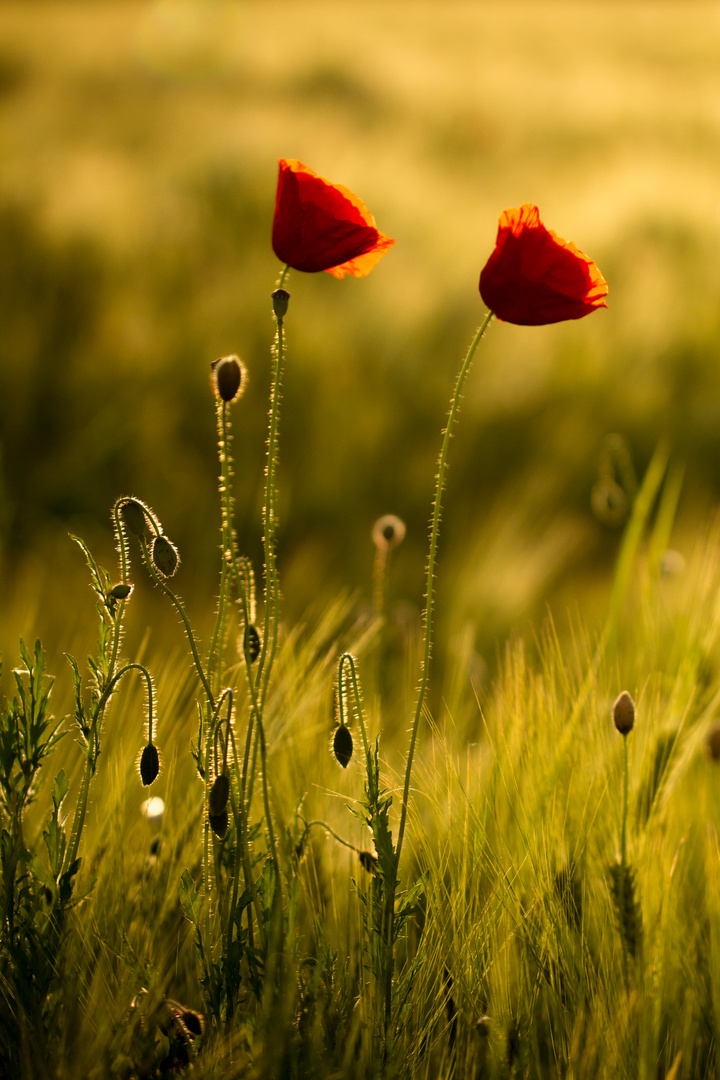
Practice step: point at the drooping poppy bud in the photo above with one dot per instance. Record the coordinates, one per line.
(149, 764)
(219, 795)
(164, 556)
(219, 823)
(343, 745)
(134, 517)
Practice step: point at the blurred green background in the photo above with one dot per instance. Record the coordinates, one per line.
(139, 149)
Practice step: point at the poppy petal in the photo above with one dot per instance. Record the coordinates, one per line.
(534, 277)
(322, 226)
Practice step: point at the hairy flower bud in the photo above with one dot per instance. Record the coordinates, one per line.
(121, 591)
(388, 531)
(230, 377)
(219, 823)
(342, 745)
(149, 764)
(219, 795)
(134, 517)
(624, 713)
(280, 300)
(164, 556)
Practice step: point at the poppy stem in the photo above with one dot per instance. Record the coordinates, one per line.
(432, 559)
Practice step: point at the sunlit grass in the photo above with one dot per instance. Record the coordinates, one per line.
(139, 156)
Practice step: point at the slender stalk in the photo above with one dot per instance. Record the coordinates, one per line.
(81, 808)
(432, 558)
(185, 621)
(349, 660)
(226, 539)
(122, 547)
(272, 598)
(272, 587)
(623, 844)
(323, 825)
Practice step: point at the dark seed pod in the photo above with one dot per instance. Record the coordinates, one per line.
(624, 713)
(230, 376)
(135, 518)
(149, 764)
(219, 823)
(251, 643)
(343, 745)
(219, 795)
(368, 861)
(280, 300)
(164, 556)
(121, 592)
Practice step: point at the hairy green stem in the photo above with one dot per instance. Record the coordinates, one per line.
(347, 659)
(226, 539)
(81, 807)
(432, 558)
(183, 616)
(623, 844)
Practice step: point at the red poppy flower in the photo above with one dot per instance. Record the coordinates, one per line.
(535, 277)
(323, 226)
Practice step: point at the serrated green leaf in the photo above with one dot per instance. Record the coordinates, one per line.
(40, 872)
(411, 897)
(54, 836)
(60, 789)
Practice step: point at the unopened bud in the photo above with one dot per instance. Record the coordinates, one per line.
(219, 823)
(388, 531)
(121, 591)
(164, 556)
(149, 764)
(280, 300)
(219, 795)
(343, 745)
(135, 518)
(230, 377)
(624, 713)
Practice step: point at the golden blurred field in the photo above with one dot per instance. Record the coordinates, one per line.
(139, 147)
